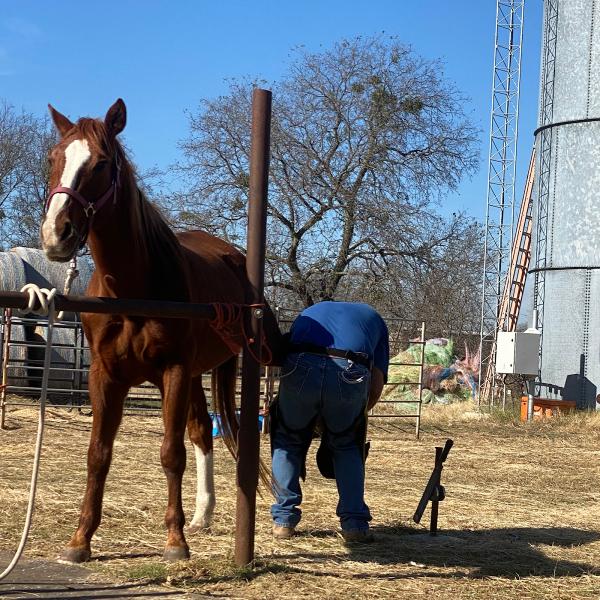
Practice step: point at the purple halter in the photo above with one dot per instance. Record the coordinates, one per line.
(90, 208)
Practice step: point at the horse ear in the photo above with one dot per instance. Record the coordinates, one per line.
(116, 117)
(63, 125)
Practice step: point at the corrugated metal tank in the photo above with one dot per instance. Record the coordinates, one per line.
(571, 180)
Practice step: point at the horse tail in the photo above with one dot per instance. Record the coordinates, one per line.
(223, 391)
(223, 384)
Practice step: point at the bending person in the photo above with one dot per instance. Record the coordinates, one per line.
(335, 370)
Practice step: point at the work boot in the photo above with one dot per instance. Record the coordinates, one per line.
(283, 532)
(358, 536)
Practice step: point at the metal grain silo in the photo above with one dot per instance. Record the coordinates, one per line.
(565, 270)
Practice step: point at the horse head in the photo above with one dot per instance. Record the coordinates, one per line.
(85, 168)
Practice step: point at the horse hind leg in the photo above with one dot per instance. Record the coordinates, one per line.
(200, 432)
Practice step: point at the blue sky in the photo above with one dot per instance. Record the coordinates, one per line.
(163, 56)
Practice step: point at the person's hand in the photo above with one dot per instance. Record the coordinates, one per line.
(377, 382)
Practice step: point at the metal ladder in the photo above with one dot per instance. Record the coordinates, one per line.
(512, 296)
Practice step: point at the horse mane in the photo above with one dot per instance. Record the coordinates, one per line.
(151, 235)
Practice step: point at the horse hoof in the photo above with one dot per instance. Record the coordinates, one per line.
(196, 527)
(75, 555)
(175, 553)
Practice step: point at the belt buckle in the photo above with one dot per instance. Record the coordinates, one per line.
(364, 359)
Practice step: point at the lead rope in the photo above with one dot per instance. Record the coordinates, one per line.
(228, 318)
(72, 274)
(46, 301)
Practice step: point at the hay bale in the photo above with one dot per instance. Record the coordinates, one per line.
(12, 272)
(438, 351)
(45, 273)
(30, 265)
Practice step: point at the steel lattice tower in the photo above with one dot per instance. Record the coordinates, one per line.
(545, 144)
(501, 173)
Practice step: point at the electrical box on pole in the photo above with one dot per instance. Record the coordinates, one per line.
(518, 353)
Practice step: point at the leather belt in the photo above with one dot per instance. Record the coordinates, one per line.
(360, 358)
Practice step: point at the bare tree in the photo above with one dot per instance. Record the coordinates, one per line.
(441, 287)
(15, 136)
(365, 138)
(24, 144)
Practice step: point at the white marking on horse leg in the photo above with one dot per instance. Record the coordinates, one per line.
(205, 491)
(77, 153)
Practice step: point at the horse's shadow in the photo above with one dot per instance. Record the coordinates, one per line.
(510, 552)
(127, 556)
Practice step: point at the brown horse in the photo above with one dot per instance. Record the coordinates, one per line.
(95, 198)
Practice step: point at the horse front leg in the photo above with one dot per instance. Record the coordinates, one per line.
(200, 434)
(107, 399)
(176, 390)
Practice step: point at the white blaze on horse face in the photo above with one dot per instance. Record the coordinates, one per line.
(205, 491)
(77, 153)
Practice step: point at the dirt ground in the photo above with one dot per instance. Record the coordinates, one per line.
(521, 518)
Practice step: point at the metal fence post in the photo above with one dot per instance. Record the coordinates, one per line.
(249, 438)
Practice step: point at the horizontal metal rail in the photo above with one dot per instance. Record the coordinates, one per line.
(117, 306)
(395, 416)
(129, 307)
(396, 401)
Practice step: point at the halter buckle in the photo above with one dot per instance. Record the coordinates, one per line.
(89, 210)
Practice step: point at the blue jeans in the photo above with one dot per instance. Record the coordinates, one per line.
(336, 390)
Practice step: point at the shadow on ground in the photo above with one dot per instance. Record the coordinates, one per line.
(49, 580)
(510, 553)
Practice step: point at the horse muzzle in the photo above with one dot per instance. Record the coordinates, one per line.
(60, 244)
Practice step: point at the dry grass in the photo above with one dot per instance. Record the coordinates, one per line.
(521, 518)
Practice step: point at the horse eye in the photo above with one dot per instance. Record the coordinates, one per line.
(100, 165)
